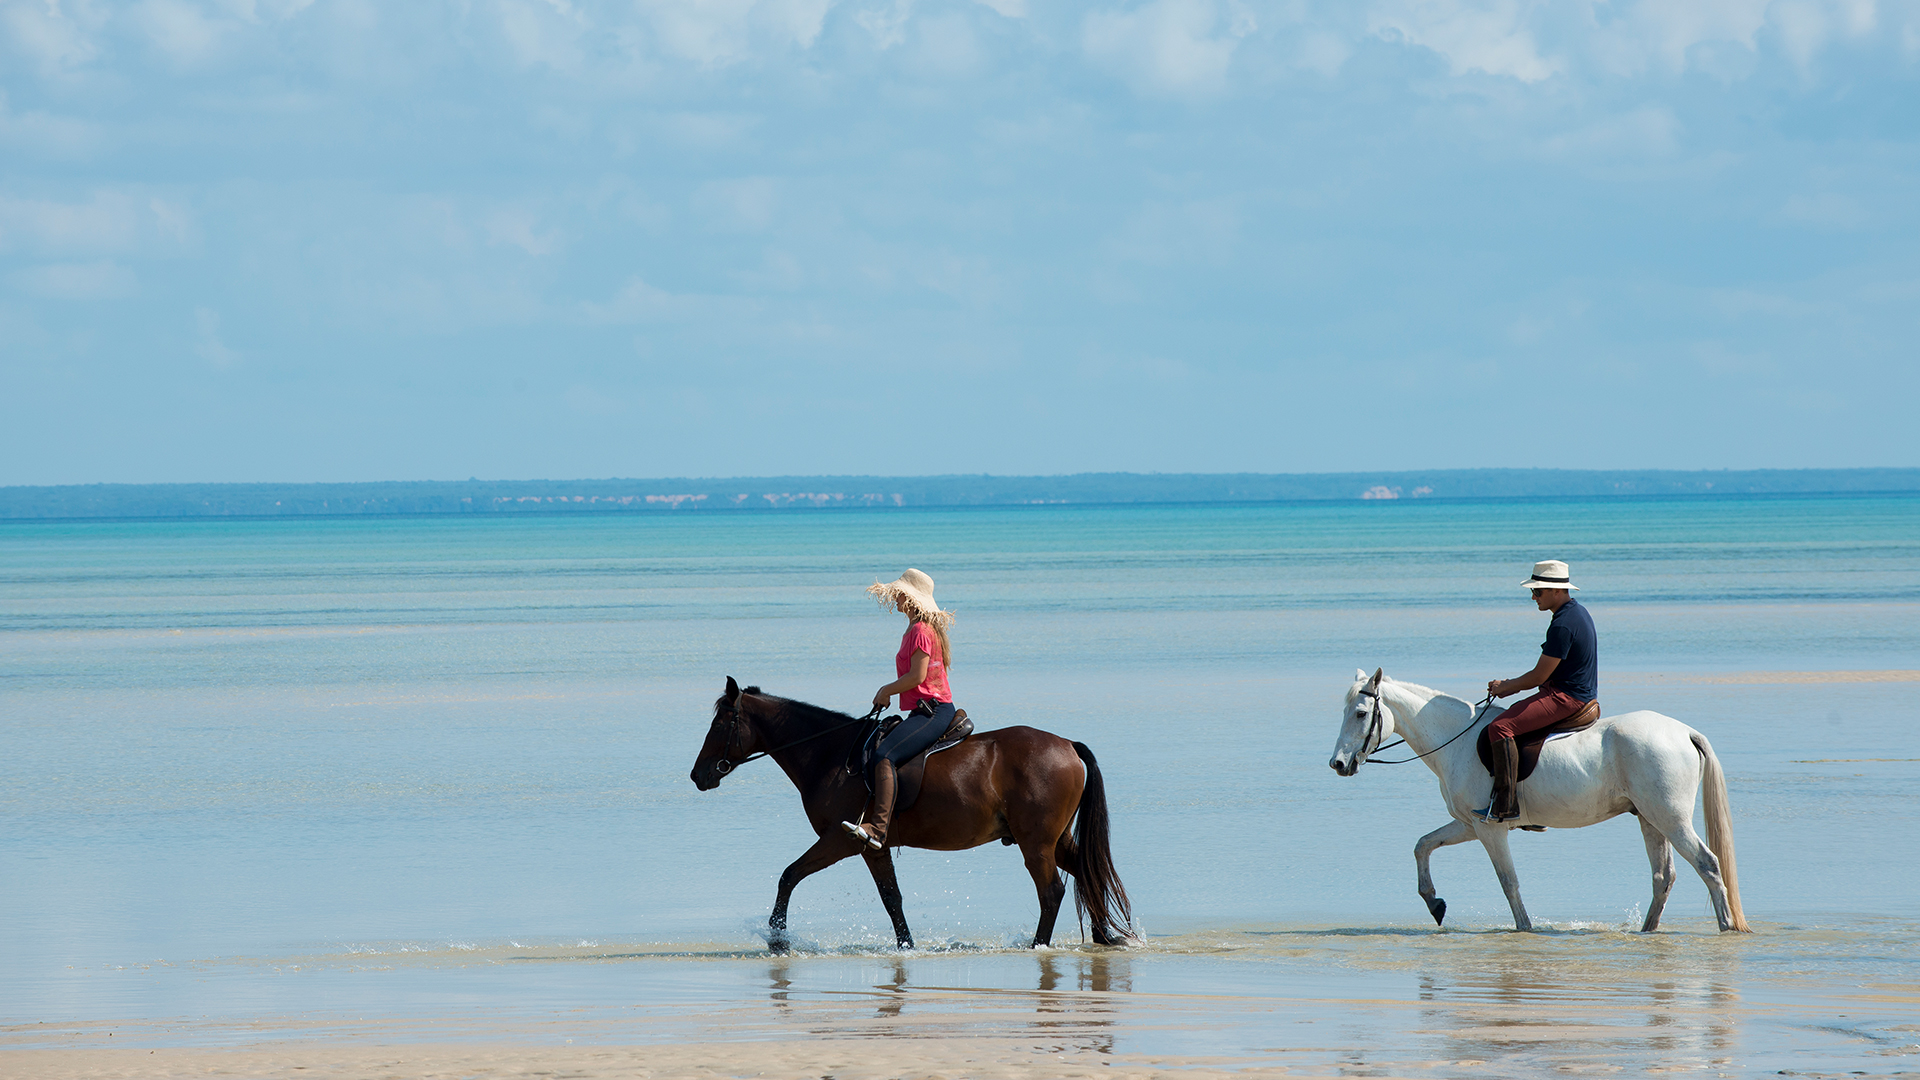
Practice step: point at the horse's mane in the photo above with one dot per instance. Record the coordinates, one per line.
(1431, 694)
(813, 716)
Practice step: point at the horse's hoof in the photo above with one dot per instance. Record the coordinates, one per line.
(779, 946)
(1439, 909)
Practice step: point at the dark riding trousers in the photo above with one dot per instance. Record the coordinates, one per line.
(916, 731)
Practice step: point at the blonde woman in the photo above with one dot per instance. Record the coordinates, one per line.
(925, 697)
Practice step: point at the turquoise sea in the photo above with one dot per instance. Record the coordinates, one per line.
(437, 767)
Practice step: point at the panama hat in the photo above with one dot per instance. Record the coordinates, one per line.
(1551, 574)
(912, 591)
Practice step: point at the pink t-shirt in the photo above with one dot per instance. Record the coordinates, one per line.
(920, 638)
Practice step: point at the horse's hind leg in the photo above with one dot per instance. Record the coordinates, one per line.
(880, 864)
(1454, 832)
(1047, 882)
(1660, 855)
(1494, 839)
(824, 853)
(1678, 828)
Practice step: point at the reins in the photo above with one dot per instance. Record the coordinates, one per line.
(1376, 724)
(725, 766)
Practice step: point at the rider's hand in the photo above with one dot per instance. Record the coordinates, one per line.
(881, 697)
(1493, 687)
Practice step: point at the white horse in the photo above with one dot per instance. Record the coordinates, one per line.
(1636, 763)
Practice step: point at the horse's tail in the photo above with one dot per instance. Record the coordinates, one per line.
(1098, 895)
(1713, 797)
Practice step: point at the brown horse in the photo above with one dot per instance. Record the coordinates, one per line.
(1017, 785)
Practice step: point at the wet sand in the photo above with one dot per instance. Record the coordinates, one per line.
(1794, 999)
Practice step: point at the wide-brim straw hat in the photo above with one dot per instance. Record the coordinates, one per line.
(913, 591)
(1551, 574)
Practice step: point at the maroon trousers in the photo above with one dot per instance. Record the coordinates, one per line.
(1533, 713)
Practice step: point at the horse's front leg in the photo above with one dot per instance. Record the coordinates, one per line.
(824, 853)
(1494, 839)
(880, 864)
(1454, 832)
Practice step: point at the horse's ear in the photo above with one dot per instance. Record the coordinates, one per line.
(733, 689)
(1374, 683)
(1358, 674)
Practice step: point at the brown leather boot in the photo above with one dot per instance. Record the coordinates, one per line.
(879, 811)
(1506, 781)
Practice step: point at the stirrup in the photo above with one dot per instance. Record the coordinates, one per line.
(1485, 814)
(860, 832)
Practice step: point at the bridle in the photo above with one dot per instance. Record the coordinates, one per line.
(1376, 728)
(737, 726)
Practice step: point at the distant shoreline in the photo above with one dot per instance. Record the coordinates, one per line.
(455, 497)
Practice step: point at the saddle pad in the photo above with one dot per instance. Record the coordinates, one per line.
(1532, 741)
(907, 777)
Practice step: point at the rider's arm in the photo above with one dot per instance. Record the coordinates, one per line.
(1508, 687)
(916, 674)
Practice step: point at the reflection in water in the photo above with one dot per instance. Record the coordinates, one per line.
(777, 975)
(1071, 1001)
(1516, 1001)
(1084, 1022)
(896, 997)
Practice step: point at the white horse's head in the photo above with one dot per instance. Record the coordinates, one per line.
(1365, 723)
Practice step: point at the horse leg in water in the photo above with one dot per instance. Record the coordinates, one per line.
(1494, 839)
(1454, 832)
(1043, 863)
(880, 864)
(1677, 826)
(1660, 855)
(824, 853)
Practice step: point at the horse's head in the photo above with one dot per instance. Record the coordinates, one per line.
(1365, 723)
(731, 738)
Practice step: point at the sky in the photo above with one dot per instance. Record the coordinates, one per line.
(300, 240)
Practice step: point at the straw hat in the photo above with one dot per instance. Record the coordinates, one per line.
(912, 591)
(1551, 574)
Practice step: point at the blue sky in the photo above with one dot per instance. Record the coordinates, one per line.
(348, 240)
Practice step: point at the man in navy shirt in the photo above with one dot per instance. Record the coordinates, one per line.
(1568, 676)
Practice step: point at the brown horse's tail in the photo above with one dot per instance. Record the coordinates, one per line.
(1098, 895)
(1713, 797)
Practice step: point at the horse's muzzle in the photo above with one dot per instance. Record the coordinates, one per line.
(1343, 765)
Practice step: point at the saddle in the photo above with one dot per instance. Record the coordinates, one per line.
(1532, 741)
(907, 777)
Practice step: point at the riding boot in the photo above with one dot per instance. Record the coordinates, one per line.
(1506, 780)
(873, 830)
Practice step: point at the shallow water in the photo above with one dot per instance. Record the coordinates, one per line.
(312, 768)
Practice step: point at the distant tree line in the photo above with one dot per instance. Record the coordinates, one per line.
(786, 492)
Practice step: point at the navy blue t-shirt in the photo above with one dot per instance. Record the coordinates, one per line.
(1572, 641)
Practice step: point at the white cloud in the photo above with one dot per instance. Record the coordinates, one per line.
(739, 205)
(640, 302)
(717, 32)
(207, 343)
(46, 133)
(887, 23)
(517, 227)
(110, 221)
(180, 30)
(1490, 36)
(47, 33)
(546, 32)
(1825, 211)
(77, 281)
(1012, 9)
(1167, 46)
(1651, 131)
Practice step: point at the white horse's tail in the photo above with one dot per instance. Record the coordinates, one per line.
(1713, 796)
